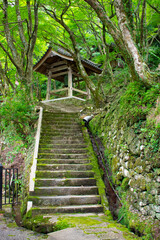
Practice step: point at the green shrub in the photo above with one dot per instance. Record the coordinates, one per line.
(137, 101)
(17, 117)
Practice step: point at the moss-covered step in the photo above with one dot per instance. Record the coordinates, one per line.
(62, 156)
(65, 182)
(61, 146)
(60, 113)
(62, 161)
(60, 130)
(49, 135)
(73, 116)
(62, 140)
(57, 120)
(52, 127)
(62, 150)
(75, 167)
(65, 190)
(66, 174)
(88, 208)
(64, 200)
(60, 116)
(56, 126)
(59, 124)
(64, 178)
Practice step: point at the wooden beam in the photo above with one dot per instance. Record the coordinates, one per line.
(57, 64)
(58, 95)
(43, 59)
(80, 91)
(59, 68)
(59, 74)
(48, 86)
(58, 90)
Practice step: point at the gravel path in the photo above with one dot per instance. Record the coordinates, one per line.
(10, 231)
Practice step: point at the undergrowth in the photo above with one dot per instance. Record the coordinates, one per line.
(137, 101)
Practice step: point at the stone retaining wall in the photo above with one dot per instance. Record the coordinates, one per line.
(134, 163)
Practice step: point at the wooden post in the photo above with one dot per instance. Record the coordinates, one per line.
(70, 91)
(48, 86)
(89, 92)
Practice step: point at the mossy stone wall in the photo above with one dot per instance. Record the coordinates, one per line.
(132, 152)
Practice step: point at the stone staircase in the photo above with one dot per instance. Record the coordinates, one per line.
(64, 179)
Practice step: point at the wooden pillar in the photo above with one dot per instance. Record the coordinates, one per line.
(89, 92)
(48, 86)
(70, 91)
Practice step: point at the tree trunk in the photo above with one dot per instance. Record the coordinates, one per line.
(22, 59)
(123, 39)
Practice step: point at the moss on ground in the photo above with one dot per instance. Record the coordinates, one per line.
(11, 225)
(43, 224)
(95, 222)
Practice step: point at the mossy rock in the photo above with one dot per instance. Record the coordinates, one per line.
(44, 225)
(38, 224)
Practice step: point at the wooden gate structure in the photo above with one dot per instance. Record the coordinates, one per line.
(60, 66)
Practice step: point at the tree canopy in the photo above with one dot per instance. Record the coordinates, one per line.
(120, 33)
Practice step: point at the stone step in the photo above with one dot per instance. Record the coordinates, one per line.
(65, 174)
(65, 182)
(67, 190)
(49, 135)
(61, 132)
(60, 124)
(72, 116)
(62, 150)
(65, 200)
(60, 119)
(62, 140)
(88, 208)
(53, 127)
(62, 156)
(60, 146)
(49, 114)
(62, 161)
(73, 167)
(59, 129)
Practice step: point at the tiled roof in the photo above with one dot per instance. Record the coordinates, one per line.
(67, 54)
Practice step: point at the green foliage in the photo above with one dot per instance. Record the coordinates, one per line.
(124, 184)
(62, 223)
(153, 56)
(152, 133)
(137, 101)
(17, 118)
(142, 228)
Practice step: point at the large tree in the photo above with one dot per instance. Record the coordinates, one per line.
(124, 40)
(19, 32)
